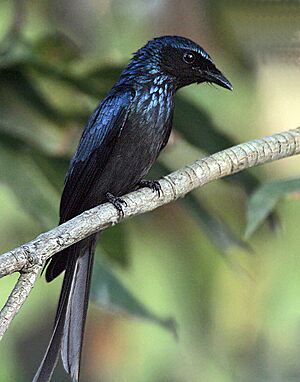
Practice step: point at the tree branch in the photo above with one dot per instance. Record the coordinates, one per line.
(29, 258)
(17, 298)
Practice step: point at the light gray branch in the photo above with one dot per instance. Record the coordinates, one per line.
(30, 257)
(17, 297)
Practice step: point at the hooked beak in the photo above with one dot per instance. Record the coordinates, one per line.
(216, 77)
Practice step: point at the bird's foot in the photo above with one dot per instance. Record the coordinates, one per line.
(117, 202)
(153, 184)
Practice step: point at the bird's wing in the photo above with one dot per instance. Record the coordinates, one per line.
(168, 128)
(98, 138)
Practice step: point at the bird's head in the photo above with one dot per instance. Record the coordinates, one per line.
(179, 59)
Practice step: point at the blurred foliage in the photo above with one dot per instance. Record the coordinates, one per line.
(265, 199)
(57, 60)
(109, 293)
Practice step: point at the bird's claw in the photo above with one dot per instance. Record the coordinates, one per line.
(153, 184)
(117, 202)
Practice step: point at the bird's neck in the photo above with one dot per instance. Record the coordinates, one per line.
(144, 74)
(155, 103)
(156, 93)
(144, 83)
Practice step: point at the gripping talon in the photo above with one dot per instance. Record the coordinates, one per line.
(153, 184)
(117, 202)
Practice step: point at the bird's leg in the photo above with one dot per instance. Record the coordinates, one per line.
(117, 203)
(153, 184)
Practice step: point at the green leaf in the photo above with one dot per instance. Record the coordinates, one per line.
(217, 231)
(104, 75)
(53, 168)
(28, 93)
(110, 294)
(56, 47)
(20, 115)
(199, 130)
(115, 244)
(264, 200)
(79, 82)
(32, 189)
(12, 53)
(197, 127)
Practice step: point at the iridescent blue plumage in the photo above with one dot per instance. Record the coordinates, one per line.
(120, 143)
(146, 62)
(106, 122)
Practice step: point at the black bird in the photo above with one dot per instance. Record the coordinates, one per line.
(119, 144)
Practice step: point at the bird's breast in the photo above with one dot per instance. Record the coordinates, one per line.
(154, 106)
(141, 139)
(151, 116)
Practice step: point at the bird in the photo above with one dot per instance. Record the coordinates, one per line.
(119, 144)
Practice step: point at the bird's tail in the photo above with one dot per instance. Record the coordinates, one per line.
(71, 312)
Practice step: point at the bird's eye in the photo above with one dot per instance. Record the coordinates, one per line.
(188, 57)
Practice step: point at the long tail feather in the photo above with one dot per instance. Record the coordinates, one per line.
(50, 359)
(68, 331)
(76, 314)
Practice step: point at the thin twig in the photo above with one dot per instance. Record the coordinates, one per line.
(17, 298)
(30, 257)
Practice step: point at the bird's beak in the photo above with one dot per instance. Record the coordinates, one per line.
(215, 76)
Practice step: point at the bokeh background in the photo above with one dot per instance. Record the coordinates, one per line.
(235, 300)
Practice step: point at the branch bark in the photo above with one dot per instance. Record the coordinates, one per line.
(29, 258)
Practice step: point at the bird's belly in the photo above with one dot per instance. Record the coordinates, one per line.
(130, 160)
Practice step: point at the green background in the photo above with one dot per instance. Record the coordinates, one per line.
(235, 302)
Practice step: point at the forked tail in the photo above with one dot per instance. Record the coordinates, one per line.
(67, 336)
